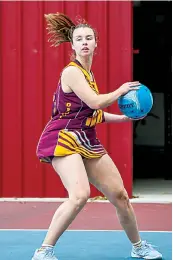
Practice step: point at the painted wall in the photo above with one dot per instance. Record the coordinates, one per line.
(29, 72)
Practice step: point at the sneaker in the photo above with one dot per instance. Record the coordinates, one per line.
(146, 251)
(44, 254)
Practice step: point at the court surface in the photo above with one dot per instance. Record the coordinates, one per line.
(94, 235)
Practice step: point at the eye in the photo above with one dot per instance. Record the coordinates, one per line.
(89, 38)
(79, 39)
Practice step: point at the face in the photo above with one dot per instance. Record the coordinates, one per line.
(84, 42)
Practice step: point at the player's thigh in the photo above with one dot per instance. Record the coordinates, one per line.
(104, 175)
(73, 175)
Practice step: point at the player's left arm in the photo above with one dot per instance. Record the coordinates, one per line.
(113, 118)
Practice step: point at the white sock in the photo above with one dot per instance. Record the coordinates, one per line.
(138, 244)
(46, 246)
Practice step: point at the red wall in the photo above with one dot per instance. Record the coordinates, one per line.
(29, 71)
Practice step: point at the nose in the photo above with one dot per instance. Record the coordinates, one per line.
(84, 42)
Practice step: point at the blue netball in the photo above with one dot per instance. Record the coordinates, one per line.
(136, 103)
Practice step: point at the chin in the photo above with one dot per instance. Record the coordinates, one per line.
(86, 54)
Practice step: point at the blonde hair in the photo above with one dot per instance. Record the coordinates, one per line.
(60, 28)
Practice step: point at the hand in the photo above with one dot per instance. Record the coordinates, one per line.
(136, 119)
(128, 86)
(126, 118)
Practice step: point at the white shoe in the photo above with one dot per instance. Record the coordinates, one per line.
(44, 254)
(146, 251)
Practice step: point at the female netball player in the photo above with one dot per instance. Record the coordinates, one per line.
(69, 142)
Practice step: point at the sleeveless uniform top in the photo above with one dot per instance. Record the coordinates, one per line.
(72, 126)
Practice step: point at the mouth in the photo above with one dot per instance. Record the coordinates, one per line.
(85, 49)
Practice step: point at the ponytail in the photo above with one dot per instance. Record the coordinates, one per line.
(60, 27)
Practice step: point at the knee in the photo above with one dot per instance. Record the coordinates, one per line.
(121, 198)
(80, 197)
(122, 195)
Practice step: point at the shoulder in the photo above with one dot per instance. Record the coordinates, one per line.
(71, 71)
(71, 75)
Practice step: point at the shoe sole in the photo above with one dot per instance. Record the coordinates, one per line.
(136, 256)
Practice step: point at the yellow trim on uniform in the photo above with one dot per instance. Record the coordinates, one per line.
(74, 146)
(62, 151)
(92, 84)
(71, 140)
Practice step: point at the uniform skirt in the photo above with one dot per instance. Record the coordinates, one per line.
(66, 142)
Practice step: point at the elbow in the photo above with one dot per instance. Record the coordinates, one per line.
(96, 104)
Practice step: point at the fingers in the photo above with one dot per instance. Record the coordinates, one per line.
(135, 83)
(134, 88)
(137, 119)
(128, 86)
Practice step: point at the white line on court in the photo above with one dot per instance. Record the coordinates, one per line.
(83, 230)
(158, 199)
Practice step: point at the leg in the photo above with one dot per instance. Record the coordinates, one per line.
(104, 175)
(74, 178)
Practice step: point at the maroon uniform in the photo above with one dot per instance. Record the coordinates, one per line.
(72, 126)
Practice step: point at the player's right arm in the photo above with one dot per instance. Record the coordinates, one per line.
(73, 79)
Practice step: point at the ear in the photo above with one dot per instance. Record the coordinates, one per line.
(96, 44)
(72, 46)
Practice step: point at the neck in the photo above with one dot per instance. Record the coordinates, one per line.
(86, 62)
